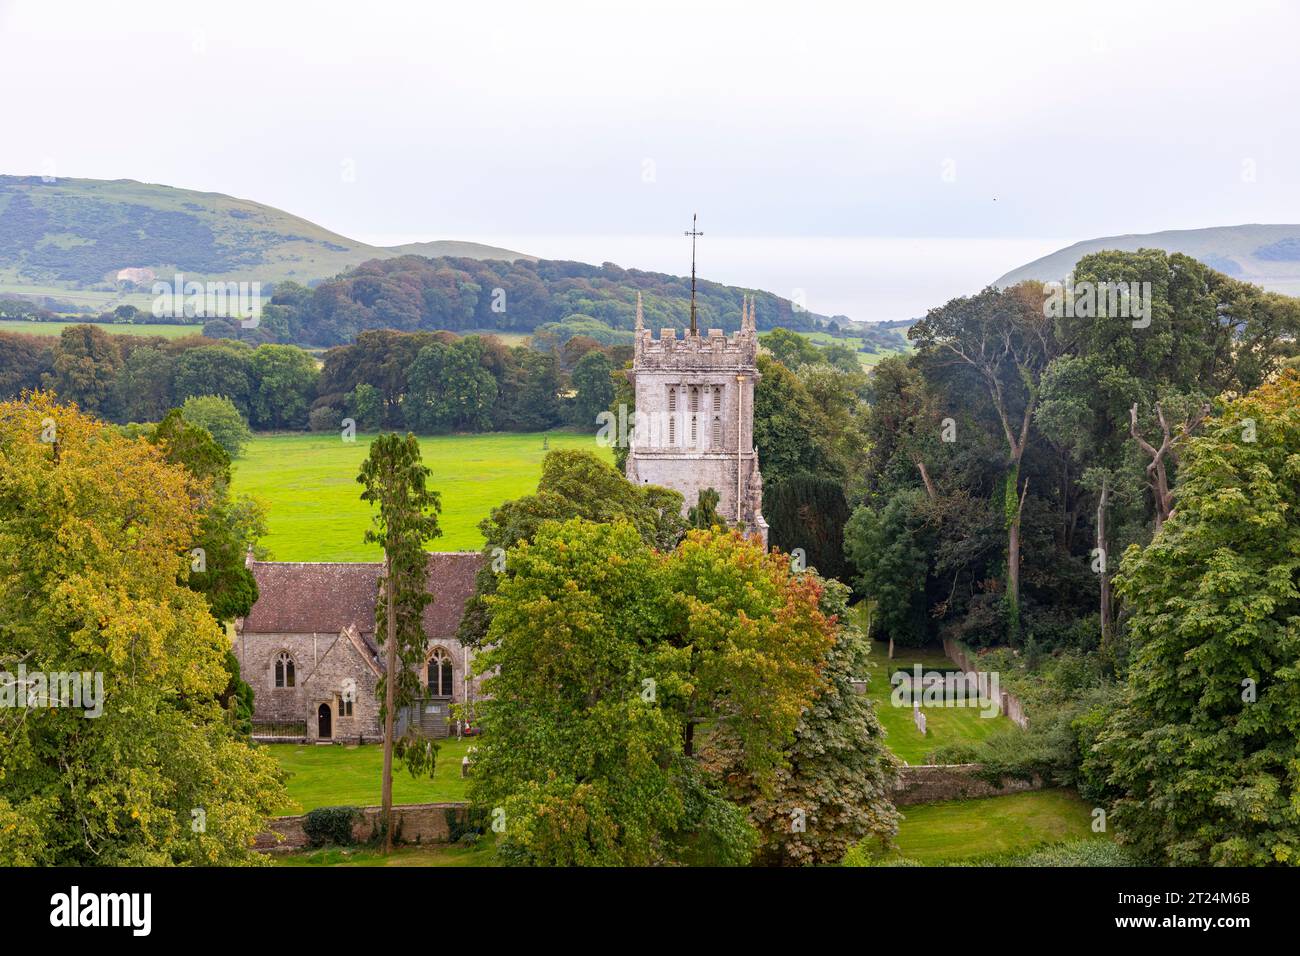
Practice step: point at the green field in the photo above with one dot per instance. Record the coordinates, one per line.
(944, 725)
(967, 830)
(342, 775)
(314, 512)
(113, 328)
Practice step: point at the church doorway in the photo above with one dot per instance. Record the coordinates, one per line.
(323, 730)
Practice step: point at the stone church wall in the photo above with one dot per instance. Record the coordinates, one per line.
(323, 666)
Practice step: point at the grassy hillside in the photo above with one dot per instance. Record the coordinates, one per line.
(68, 239)
(314, 513)
(1267, 255)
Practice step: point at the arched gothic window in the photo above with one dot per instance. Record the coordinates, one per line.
(439, 678)
(672, 417)
(284, 670)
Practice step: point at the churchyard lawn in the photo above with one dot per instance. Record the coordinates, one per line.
(944, 725)
(348, 775)
(967, 831)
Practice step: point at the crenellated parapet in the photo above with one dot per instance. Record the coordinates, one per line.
(714, 350)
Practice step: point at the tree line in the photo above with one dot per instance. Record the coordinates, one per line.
(1016, 454)
(429, 382)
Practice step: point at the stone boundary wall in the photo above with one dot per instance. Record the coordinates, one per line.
(958, 781)
(415, 823)
(1009, 704)
(427, 822)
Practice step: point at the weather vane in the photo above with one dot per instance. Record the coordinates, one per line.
(693, 232)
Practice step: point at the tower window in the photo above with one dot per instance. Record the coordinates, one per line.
(672, 416)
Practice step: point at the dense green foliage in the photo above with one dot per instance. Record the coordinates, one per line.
(217, 416)
(809, 513)
(1202, 756)
(991, 447)
(330, 826)
(230, 525)
(893, 548)
(411, 293)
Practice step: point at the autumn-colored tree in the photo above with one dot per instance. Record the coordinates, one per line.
(603, 658)
(836, 787)
(95, 534)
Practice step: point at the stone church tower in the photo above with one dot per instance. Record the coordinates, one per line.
(694, 425)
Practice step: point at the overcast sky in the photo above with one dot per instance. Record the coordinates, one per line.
(482, 119)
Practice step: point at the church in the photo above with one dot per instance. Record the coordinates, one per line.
(308, 647)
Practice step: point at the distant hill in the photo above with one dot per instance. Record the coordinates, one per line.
(1267, 255)
(558, 298)
(94, 242)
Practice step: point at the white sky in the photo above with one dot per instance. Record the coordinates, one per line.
(482, 119)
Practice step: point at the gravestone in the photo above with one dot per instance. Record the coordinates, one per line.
(918, 717)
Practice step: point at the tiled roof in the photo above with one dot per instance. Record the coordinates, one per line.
(305, 598)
